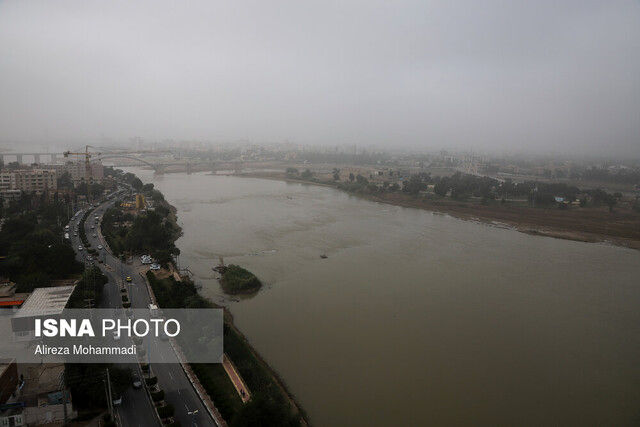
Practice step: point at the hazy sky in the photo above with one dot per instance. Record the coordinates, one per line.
(533, 75)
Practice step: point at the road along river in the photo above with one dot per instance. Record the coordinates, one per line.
(416, 318)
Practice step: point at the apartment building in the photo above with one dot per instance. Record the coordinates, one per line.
(79, 173)
(29, 180)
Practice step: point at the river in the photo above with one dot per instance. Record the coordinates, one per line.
(416, 318)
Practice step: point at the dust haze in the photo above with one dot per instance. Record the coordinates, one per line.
(494, 75)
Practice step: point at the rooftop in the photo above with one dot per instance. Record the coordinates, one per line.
(46, 301)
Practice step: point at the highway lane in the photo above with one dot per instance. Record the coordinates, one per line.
(136, 408)
(178, 389)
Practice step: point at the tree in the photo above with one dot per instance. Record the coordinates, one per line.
(352, 177)
(441, 188)
(65, 181)
(361, 180)
(307, 174)
(292, 172)
(136, 184)
(336, 174)
(414, 185)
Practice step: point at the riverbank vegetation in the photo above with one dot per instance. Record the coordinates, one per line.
(555, 209)
(155, 232)
(236, 280)
(270, 404)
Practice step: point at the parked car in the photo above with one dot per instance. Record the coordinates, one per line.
(128, 278)
(100, 247)
(80, 248)
(155, 267)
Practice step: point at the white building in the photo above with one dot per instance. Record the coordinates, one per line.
(42, 302)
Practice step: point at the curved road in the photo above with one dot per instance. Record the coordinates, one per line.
(136, 408)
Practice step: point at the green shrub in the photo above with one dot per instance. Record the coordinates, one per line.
(236, 280)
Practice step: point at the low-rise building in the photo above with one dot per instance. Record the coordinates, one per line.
(41, 398)
(41, 302)
(8, 296)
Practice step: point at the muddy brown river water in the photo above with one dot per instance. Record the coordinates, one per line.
(416, 318)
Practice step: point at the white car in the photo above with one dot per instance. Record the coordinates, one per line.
(80, 248)
(155, 267)
(100, 247)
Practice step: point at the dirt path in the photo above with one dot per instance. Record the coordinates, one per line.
(236, 379)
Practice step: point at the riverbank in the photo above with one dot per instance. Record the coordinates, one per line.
(593, 225)
(270, 400)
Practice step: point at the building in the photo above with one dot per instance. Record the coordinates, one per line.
(8, 379)
(41, 302)
(79, 173)
(29, 180)
(7, 181)
(40, 399)
(11, 409)
(8, 296)
(7, 196)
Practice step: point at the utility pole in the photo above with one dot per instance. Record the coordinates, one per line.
(109, 397)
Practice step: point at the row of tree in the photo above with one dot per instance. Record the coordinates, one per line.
(460, 186)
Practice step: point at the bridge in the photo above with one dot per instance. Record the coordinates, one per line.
(158, 167)
(189, 164)
(37, 157)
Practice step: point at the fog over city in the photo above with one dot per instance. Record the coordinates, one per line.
(533, 76)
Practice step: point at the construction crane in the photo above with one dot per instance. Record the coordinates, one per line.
(87, 156)
(87, 165)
